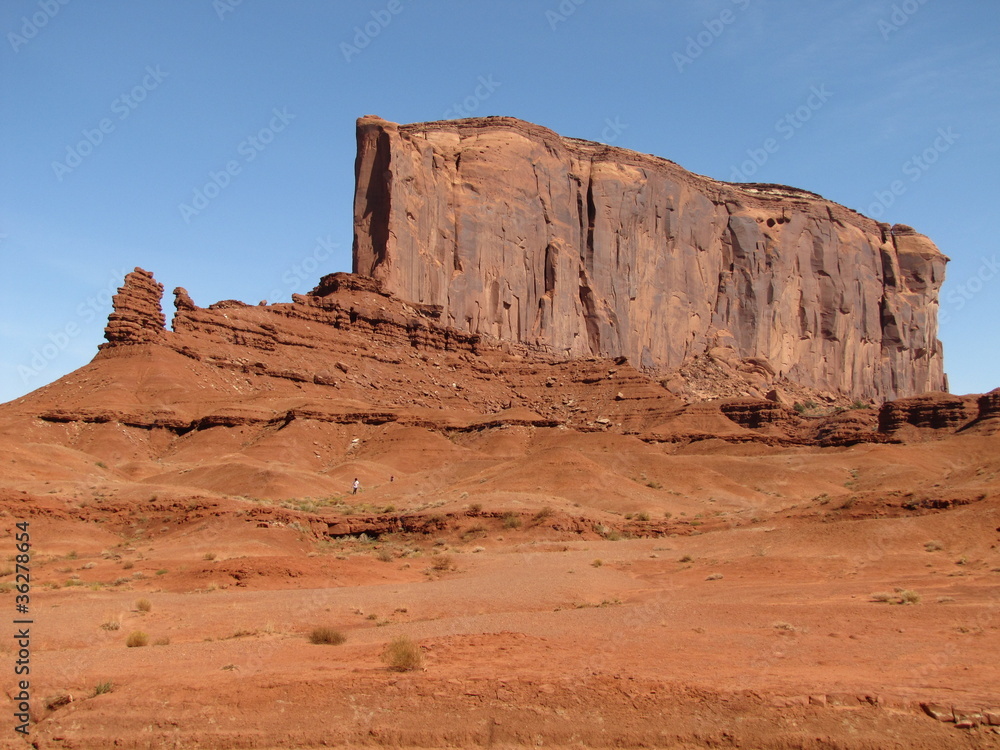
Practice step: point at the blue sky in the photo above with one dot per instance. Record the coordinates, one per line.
(212, 141)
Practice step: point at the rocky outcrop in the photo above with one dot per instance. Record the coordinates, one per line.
(937, 411)
(582, 249)
(137, 317)
(989, 405)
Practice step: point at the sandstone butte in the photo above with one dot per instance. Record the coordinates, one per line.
(548, 375)
(586, 250)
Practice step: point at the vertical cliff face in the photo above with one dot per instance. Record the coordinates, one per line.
(589, 250)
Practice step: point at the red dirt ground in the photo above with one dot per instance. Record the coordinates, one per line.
(567, 587)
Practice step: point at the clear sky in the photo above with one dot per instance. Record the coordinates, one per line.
(212, 141)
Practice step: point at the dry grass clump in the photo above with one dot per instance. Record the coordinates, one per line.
(326, 636)
(511, 521)
(933, 546)
(136, 639)
(542, 514)
(144, 605)
(112, 623)
(900, 596)
(402, 655)
(442, 563)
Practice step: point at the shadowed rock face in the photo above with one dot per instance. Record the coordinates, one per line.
(516, 233)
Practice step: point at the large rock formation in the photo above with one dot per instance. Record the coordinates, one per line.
(138, 315)
(513, 232)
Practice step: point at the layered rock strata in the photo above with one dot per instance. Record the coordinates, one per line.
(515, 233)
(137, 316)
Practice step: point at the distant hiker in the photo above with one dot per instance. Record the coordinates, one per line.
(356, 485)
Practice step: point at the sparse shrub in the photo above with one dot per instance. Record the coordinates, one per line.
(161, 572)
(643, 516)
(128, 565)
(385, 555)
(901, 596)
(654, 485)
(542, 514)
(474, 509)
(686, 559)
(209, 556)
(100, 465)
(136, 639)
(162, 641)
(598, 563)
(71, 555)
(144, 605)
(799, 407)
(784, 627)
(101, 688)
(112, 623)
(402, 655)
(326, 636)
(442, 562)
(714, 577)
(933, 546)
(511, 521)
